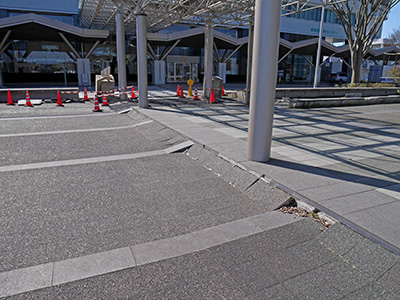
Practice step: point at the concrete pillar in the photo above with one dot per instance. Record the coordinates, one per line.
(222, 71)
(159, 72)
(121, 59)
(249, 62)
(83, 69)
(208, 59)
(141, 49)
(263, 78)
(1, 76)
(317, 73)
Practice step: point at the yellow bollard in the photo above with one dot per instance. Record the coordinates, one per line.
(190, 82)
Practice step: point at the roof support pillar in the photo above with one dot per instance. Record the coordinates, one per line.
(120, 33)
(317, 62)
(249, 62)
(141, 48)
(70, 45)
(208, 59)
(4, 40)
(263, 79)
(92, 49)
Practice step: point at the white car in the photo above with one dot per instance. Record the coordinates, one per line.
(340, 77)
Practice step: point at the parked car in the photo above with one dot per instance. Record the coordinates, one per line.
(339, 77)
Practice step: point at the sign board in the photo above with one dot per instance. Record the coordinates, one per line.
(85, 78)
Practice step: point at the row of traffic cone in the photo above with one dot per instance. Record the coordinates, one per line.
(28, 102)
(179, 93)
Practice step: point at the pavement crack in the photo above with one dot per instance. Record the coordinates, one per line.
(253, 183)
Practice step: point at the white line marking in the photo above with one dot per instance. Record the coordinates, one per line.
(93, 160)
(74, 131)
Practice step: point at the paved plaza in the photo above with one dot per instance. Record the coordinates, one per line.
(161, 203)
(345, 161)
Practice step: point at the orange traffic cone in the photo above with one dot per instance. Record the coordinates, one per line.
(59, 101)
(182, 95)
(9, 98)
(105, 102)
(28, 100)
(96, 105)
(212, 97)
(178, 91)
(195, 97)
(85, 95)
(133, 94)
(223, 91)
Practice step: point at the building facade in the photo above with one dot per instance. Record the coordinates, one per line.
(25, 59)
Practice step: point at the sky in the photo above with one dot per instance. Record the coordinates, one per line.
(393, 21)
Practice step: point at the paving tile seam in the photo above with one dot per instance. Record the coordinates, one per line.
(55, 273)
(83, 161)
(75, 131)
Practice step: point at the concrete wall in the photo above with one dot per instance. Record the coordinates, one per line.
(332, 92)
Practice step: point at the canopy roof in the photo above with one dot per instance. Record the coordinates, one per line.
(40, 28)
(161, 14)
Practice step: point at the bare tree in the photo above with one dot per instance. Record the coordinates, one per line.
(362, 20)
(395, 37)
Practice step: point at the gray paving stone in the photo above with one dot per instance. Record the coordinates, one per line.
(391, 279)
(26, 279)
(252, 276)
(284, 265)
(335, 191)
(239, 178)
(311, 286)
(340, 239)
(43, 294)
(267, 194)
(278, 291)
(343, 276)
(164, 249)
(371, 259)
(382, 221)
(313, 253)
(361, 201)
(371, 292)
(273, 219)
(92, 265)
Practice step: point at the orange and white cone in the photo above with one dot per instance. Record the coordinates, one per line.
(223, 91)
(195, 97)
(59, 101)
(178, 91)
(96, 105)
(212, 97)
(105, 102)
(133, 94)
(181, 94)
(85, 95)
(28, 100)
(9, 98)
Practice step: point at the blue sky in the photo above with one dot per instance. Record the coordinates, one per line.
(393, 21)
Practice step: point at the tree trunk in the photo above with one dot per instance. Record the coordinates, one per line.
(356, 63)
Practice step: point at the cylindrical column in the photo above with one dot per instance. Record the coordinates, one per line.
(263, 78)
(316, 75)
(208, 59)
(120, 33)
(141, 49)
(249, 62)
